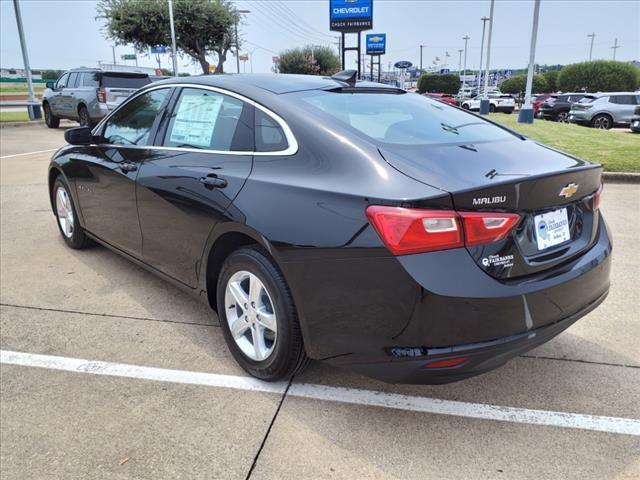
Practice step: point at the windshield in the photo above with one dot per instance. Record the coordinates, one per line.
(403, 119)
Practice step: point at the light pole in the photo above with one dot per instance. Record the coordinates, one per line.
(484, 24)
(239, 12)
(615, 47)
(33, 107)
(460, 61)
(421, 47)
(174, 51)
(526, 112)
(464, 73)
(593, 36)
(486, 74)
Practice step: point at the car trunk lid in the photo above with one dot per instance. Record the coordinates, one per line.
(543, 186)
(117, 86)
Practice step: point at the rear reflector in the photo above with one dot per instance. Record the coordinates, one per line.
(446, 362)
(411, 230)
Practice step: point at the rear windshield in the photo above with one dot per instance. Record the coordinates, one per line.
(587, 99)
(402, 119)
(121, 81)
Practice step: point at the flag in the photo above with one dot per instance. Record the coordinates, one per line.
(447, 54)
(437, 59)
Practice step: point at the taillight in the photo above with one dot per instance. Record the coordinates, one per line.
(410, 230)
(102, 95)
(481, 227)
(596, 199)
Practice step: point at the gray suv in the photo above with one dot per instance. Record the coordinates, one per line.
(604, 110)
(87, 95)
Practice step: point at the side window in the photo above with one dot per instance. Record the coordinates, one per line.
(269, 135)
(73, 79)
(90, 79)
(626, 99)
(62, 81)
(614, 99)
(132, 123)
(211, 121)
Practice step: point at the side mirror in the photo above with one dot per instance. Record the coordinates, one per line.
(50, 85)
(79, 136)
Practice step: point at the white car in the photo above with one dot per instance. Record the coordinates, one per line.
(497, 103)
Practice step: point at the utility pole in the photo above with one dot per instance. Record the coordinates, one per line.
(33, 107)
(614, 48)
(593, 36)
(486, 75)
(421, 47)
(464, 73)
(484, 23)
(113, 51)
(174, 51)
(460, 61)
(239, 12)
(526, 113)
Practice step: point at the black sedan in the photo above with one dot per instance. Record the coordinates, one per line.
(344, 221)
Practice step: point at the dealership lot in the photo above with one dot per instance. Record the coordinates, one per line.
(65, 418)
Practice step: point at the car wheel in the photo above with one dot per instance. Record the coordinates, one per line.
(258, 317)
(84, 118)
(602, 121)
(50, 119)
(465, 106)
(492, 108)
(563, 117)
(72, 232)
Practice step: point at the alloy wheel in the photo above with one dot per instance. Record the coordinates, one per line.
(250, 315)
(64, 212)
(563, 117)
(601, 122)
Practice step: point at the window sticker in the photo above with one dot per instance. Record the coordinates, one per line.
(196, 120)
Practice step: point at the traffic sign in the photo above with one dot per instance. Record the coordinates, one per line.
(158, 49)
(128, 56)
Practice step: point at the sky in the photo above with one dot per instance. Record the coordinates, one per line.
(66, 34)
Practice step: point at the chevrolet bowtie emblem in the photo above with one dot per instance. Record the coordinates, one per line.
(569, 190)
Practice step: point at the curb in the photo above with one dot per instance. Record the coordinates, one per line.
(621, 177)
(27, 123)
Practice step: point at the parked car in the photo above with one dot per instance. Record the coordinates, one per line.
(87, 95)
(443, 97)
(498, 102)
(343, 221)
(605, 110)
(537, 101)
(635, 120)
(557, 106)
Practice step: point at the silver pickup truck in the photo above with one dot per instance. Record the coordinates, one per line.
(87, 95)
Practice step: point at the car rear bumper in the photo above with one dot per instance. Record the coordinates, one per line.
(386, 317)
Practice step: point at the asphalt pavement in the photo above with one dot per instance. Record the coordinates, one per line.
(108, 372)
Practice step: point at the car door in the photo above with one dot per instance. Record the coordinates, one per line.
(69, 102)
(625, 107)
(56, 99)
(106, 187)
(203, 155)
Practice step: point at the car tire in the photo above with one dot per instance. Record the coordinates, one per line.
(602, 121)
(562, 117)
(282, 353)
(465, 106)
(66, 216)
(84, 118)
(492, 108)
(50, 119)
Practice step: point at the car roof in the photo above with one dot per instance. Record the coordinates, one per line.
(274, 83)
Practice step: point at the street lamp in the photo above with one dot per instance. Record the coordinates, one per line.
(240, 12)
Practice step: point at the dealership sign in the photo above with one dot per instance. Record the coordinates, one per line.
(350, 15)
(376, 43)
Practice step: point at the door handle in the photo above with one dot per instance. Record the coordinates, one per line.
(128, 167)
(213, 182)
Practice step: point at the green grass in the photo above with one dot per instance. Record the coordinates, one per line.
(14, 116)
(20, 88)
(617, 151)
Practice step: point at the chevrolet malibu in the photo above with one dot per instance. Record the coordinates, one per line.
(342, 221)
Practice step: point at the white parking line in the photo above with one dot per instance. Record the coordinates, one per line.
(28, 153)
(627, 426)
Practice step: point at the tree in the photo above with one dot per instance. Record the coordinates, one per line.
(310, 61)
(518, 84)
(202, 26)
(435, 83)
(552, 80)
(51, 74)
(599, 76)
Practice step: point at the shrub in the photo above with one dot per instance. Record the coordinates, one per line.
(434, 83)
(322, 61)
(599, 76)
(552, 80)
(518, 84)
